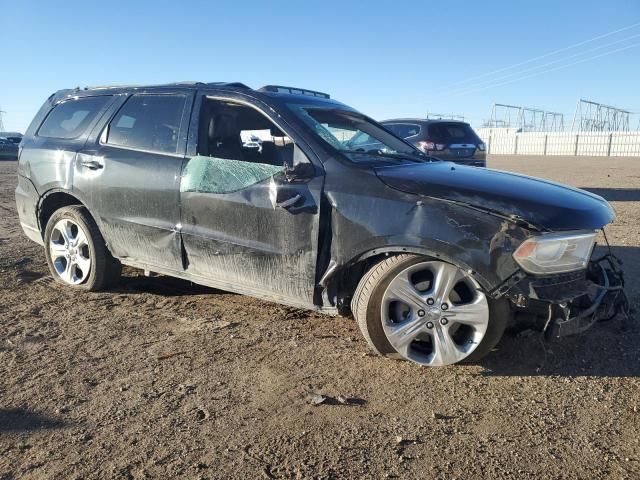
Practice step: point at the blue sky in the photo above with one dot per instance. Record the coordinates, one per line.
(387, 59)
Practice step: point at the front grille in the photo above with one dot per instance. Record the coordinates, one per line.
(563, 286)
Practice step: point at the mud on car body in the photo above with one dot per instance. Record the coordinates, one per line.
(432, 258)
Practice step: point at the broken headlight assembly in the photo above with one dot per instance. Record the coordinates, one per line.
(555, 252)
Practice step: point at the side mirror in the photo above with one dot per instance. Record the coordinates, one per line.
(297, 166)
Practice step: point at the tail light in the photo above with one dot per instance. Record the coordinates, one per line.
(431, 146)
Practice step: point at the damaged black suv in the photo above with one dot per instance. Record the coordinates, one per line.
(262, 192)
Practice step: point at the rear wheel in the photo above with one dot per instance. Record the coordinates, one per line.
(76, 253)
(427, 311)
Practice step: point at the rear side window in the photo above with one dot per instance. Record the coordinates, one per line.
(148, 122)
(404, 130)
(452, 133)
(71, 118)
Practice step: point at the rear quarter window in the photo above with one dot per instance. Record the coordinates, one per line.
(71, 118)
(404, 130)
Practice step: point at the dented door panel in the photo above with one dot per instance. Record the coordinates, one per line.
(240, 238)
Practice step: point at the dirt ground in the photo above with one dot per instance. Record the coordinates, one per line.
(162, 379)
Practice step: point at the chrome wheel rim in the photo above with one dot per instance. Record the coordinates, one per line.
(434, 314)
(69, 249)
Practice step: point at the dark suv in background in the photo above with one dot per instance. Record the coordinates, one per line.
(9, 144)
(449, 140)
(288, 195)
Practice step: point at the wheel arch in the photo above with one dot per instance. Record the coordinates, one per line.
(53, 200)
(344, 280)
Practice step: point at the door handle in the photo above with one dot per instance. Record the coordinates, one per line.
(91, 164)
(290, 202)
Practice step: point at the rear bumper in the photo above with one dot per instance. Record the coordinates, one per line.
(26, 202)
(8, 155)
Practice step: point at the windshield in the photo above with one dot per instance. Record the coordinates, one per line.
(354, 135)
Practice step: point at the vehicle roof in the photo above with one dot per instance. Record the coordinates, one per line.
(423, 121)
(210, 86)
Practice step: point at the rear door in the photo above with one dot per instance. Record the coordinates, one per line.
(129, 177)
(244, 226)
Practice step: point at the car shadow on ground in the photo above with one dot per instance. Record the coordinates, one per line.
(21, 420)
(608, 349)
(163, 286)
(616, 194)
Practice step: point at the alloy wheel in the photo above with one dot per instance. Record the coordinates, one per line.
(69, 249)
(434, 313)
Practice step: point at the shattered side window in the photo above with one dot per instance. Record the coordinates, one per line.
(222, 175)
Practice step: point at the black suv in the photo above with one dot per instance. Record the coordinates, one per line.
(451, 140)
(9, 145)
(432, 258)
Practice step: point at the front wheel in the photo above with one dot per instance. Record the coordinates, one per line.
(427, 311)
(76, 253)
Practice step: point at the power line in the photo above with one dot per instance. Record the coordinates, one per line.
(538, 67)
(549, 70)
(549, 54)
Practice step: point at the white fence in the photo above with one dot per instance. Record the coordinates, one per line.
(614, 144)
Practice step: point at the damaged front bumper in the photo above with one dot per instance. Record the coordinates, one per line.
(572, 303)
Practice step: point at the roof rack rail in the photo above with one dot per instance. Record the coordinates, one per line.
(293, 90)
(100, 87)
(186, 82)
(176, 84)
(229, 84)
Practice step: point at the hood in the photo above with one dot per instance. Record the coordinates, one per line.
(541, 203)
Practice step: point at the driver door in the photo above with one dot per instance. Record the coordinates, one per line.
(246, 227)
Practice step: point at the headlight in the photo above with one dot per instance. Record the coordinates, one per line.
(555, 252)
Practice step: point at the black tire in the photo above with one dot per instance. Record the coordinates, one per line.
(367, 300)
(105, 270)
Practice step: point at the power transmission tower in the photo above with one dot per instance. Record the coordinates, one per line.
(525, 119)
(444, 116)
(1, 122)
(598, 117)
(553, 122)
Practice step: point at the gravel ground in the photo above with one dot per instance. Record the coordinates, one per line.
(162, 379)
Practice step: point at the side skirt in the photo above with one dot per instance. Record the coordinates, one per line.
(229, 287)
